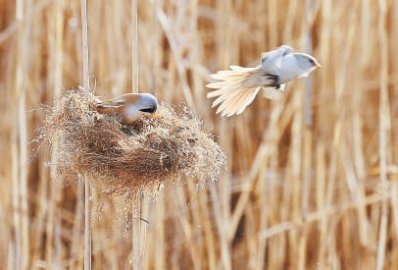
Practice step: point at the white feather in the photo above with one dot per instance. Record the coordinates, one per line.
(274, 93)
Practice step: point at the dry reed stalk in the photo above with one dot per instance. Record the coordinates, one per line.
(134, 47)
(385, 120)
(138, 229)
(138, 232)
(318, 216)
(394, 128)
(23, 11)
(357, 141)
(86, 85)
(16, 258)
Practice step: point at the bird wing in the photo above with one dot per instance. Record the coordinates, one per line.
(109, 104)
(274, 93)
(113, 103)
(269, 59)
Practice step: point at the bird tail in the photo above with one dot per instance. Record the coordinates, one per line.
(235, 89)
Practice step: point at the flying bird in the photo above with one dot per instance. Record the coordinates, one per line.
(129, 106)
(236, 88)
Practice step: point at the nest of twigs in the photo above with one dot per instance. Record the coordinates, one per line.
(127, 159)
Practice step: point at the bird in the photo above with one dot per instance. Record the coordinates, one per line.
(130, 106)
(236, 88)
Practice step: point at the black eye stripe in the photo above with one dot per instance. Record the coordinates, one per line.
(149, 110)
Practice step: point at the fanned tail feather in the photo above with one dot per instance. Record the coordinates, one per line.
(235, 89)
(237, 102)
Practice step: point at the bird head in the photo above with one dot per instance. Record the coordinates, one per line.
(147, 103)
(306, 63)
(138, 105)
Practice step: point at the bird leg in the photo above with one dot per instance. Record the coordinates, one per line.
(274, 80)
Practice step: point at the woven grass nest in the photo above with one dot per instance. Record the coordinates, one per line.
(126, 159)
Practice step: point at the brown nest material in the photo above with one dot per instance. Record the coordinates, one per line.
(126, 159)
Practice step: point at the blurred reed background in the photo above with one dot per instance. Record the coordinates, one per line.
(312, 180)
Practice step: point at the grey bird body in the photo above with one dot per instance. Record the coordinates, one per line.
(236, 88)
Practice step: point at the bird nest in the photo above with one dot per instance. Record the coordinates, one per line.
(126, 159)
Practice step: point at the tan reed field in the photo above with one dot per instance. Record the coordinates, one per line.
(311, 181)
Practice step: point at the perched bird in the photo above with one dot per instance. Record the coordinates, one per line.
(129, 106)
(236, 88)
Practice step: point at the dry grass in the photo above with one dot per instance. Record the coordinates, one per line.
(312, 180)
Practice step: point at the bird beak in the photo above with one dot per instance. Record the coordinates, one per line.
(318, 65)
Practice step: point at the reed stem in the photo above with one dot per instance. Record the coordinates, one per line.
(87, 191)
